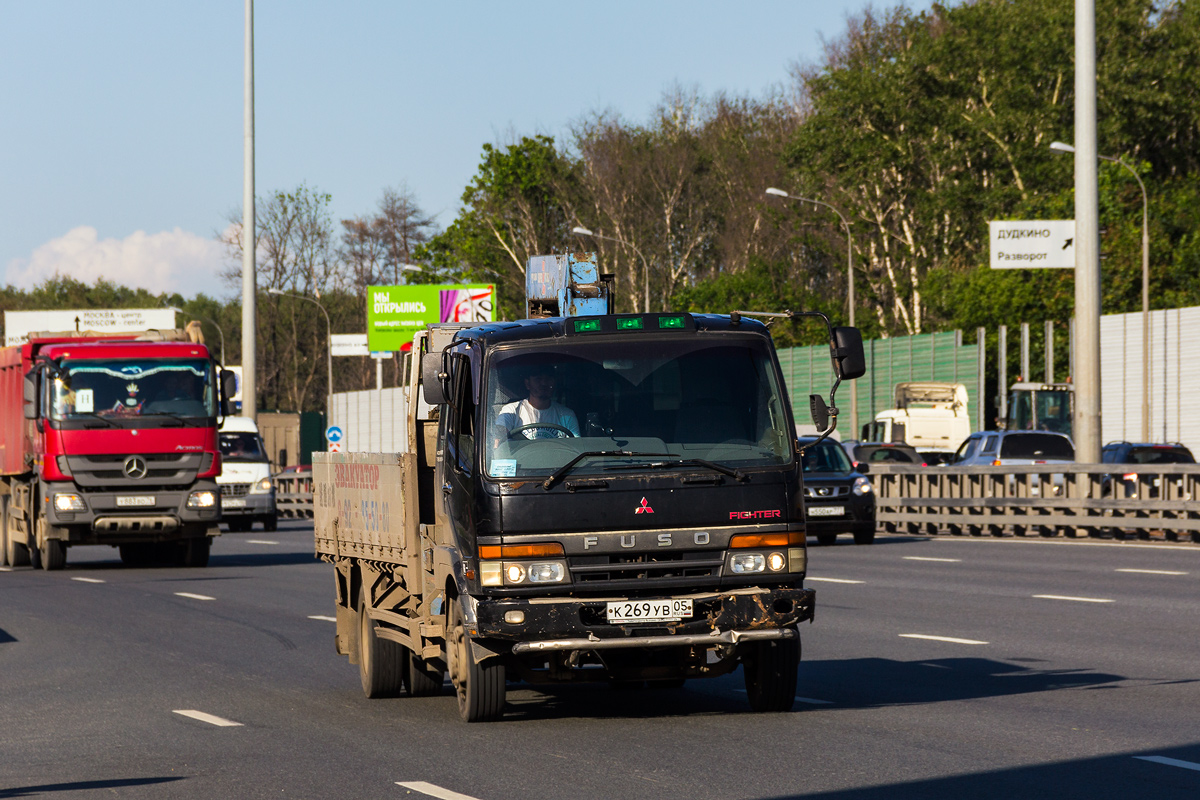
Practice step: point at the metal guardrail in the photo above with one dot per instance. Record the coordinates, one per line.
(1099, 500)
(294, 494)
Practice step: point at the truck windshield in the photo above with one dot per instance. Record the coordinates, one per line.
(126, 389)
(627, 403)
(242, 447)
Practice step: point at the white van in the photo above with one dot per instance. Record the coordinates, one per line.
(247, 493)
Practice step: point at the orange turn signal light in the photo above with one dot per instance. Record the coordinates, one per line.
(520, 550)
(766, 539)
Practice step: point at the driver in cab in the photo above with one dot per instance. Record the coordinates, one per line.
(538, 416)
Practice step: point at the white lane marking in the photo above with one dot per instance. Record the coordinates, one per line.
(433, 791)
(926, 558)
(950, 639)
(260, 541)
(1153, 572)
(1062, 543)
(833, 580)
(88, 580)
(209, 718)
(1074, 599)
(324, 618)
(194, 596)
(1170, 762)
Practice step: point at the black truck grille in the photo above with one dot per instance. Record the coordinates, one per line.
(235, 489)
(635, 567)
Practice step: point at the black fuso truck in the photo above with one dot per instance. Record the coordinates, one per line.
(598, 497)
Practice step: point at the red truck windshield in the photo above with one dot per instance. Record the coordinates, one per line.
(672, 399)
(126, 389)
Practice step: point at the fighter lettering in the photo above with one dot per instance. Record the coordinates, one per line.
(755, 514)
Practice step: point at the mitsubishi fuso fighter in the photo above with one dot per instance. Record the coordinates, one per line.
(603, 497)
(110, 438)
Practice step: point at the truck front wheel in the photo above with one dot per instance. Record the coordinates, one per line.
(14, 548)
(52, 552)
(480, 687)
(382, 664)
(769, 668)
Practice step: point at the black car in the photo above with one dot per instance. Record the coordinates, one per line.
(1149, 455)
(837, 497)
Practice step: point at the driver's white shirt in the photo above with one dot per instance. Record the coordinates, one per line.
(521, 412)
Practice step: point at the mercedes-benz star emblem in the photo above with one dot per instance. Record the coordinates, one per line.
(135, 467)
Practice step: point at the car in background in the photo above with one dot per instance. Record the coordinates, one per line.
(882, 453)
(937, 458)
(838, 498)
(1005, 448)
(247, 491)
(1140, 453)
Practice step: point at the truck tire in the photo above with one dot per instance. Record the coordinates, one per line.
(194, 552)
(52, 552)
(826, 539)
(270, 523)
(16, 552)
(423, 679)
(381, 663)
(769, 669)
(480, 686)
(865, 536)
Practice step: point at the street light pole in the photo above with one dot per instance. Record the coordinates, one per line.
(249, 280)
(1061, 147)
(581, 231)
(328, 339)
(849, 290)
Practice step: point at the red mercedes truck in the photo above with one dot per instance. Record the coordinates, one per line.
(110, 439)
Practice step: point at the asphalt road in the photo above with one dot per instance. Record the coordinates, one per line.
(942, 668)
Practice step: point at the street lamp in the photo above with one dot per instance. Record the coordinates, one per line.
(328, 338)
(1063, 147)
(220, 332)
(581, 231)
(849, 283)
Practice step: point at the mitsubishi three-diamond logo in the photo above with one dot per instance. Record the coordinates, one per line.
(644, 508)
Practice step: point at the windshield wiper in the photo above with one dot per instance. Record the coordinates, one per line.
(90, 416)
(701, 462)
(182, 419)
(558, 474)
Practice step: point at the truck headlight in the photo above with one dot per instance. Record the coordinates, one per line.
(69, 502)
(514, 573)
(776, 562)
(205, 499)
(797, 559)
(742, 563)
(862, 486)
(260, 487)
(548, 572)
(491, 573)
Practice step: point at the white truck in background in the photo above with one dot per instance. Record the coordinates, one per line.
(929, 416)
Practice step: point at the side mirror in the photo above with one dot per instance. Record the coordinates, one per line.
(283, 462)
(228, 390)
(431, 379)
(31, 394)
(848, 353)
(863, 468)
(820, 412)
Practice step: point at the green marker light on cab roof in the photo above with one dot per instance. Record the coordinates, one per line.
(630, 323)
(586, 325)
(672, 321)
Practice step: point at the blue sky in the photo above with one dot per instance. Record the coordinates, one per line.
(121, 121)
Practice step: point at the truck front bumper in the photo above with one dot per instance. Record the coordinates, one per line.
(249, 505)
(725, 617)
(111, 516)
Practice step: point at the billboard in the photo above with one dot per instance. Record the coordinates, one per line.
(19, 324)
(395, 313)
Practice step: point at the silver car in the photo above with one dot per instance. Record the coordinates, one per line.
(1016, 448)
